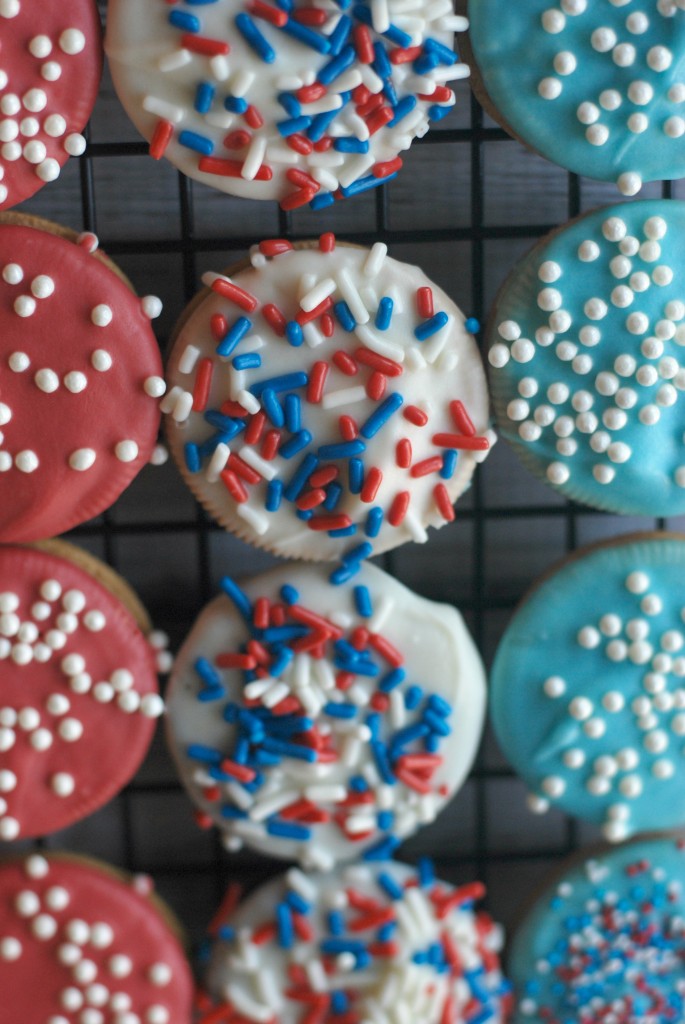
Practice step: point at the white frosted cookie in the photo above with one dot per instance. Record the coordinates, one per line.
(318, 722)
(383, 943)
(326, 399)
(302, 102)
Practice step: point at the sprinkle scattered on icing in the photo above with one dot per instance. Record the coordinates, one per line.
(608, 943)
(323, 735)
(319, 416)
(609, 75)
(354, 947)
(309, 102)
(65, 921)
(46, 91)
(588, 361)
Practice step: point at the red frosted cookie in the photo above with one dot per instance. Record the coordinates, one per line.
(80, 942)
(80, 372)
(50, 67)
(78, 687)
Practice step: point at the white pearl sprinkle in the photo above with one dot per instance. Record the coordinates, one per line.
(101, 315)
(82, 459)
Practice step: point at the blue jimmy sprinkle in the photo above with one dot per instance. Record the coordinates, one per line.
(254, 38)
(195, 141)
(384, 313)
(234, 335)
(186, 22)
(204, 97)
(362, 600)
(293, 413)
(236, 104)
(306, 35)
(430, 327)
(295, 444)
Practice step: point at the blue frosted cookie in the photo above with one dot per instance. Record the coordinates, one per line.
(586, 339)
(588, 686)
(606, 942)
(597, 86)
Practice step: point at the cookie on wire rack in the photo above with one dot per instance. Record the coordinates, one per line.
(78, 687)
(587, 371)
(50, 68)
(588, 699)
(81, 375)
(304, 103)
(326, 399)
(594, 87)
(80, 940)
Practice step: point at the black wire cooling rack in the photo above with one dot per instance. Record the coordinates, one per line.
(468, 202)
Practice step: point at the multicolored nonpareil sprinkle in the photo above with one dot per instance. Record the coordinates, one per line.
(306, 101)
(607, 942)
(322, 723)
(382, 944)
(326, 402)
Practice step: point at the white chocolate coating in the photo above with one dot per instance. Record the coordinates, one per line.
(429, 377)
(159, 79)
(439, 656)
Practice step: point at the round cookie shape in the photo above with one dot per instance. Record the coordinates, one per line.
(80, 942)
(595, 86)
(81, 378)
(362, 940)
(305, 103)
(50, 68)
(605, 941)
(588, 699)
(326, 399)
(586, 340)
(320, 723)
(78, 691)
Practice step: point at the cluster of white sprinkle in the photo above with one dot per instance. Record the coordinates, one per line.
(38, 635)
(632, 104)
(47, 380)
(595, 404)
(655, 706)
(95, 970)
(30, 127)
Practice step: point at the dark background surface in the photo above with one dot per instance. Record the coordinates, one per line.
(468, 202)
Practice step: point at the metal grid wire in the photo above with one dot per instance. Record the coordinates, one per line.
(468, 201)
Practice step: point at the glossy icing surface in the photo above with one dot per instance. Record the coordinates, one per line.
(290, 103)
(50, 67)
(335, 727)
(78, 693)
(606, 941)
(585, 346)
(587, 694)
(382, 943)
(596, 86)
(76, 420)
(79, 944)
(377, 424)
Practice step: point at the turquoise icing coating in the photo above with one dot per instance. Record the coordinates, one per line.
(606, 942)
(596, 86)
(585, 347)
(588, 686)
